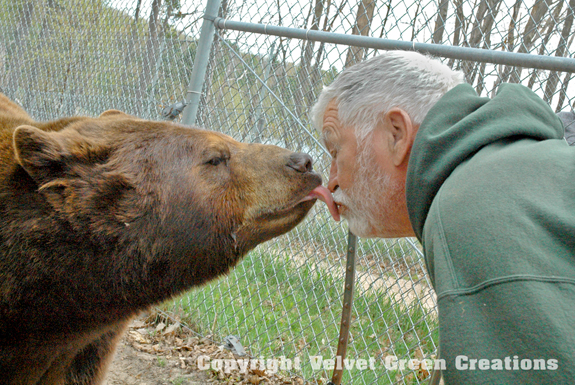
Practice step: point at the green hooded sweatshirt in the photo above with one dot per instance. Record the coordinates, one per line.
(491, 195)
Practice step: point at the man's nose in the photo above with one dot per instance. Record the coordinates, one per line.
(300, 162)
(333, 184)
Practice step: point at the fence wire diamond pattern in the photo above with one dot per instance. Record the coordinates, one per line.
(71, 57)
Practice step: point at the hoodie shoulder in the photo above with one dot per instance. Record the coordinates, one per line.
(462, 123)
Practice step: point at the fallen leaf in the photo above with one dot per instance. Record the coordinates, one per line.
(139, 338)
(258, 372)
(170, 329)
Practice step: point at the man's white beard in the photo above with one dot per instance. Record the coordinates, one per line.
(368, 197)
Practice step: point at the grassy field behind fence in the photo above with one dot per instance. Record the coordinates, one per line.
(259, 300)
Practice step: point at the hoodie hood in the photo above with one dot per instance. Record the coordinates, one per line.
(459, 125)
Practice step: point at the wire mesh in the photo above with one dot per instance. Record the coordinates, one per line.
(71, 57)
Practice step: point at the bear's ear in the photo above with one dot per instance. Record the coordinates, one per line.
(38, 152)
(115, 113)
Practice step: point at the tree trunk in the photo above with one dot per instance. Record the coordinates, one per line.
(562, 46)
(548, 30)
(440, 21)
(316, 70)
(486, 28)
(481, 29)
(459, 25)
(563, 92)
(303, 75)
(530, 34)
(363, 21)
(508, 45)
(564, 84)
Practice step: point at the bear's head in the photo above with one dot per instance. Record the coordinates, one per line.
(151, 203)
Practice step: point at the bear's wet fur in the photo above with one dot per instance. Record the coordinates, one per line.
(102, 217)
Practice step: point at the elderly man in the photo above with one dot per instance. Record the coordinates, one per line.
(487, 186)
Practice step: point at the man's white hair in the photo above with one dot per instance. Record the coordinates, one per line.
(404, 79)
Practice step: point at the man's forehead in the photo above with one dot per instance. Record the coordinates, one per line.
(331, 110)
(331, 123)
(328, 136)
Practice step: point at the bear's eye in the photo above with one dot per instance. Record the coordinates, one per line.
(217, 161)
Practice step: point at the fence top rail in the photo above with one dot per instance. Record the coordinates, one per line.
(552, 63)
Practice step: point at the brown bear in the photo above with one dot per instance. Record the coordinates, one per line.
(102, 217)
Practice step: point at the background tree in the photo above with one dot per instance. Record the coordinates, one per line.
(560, 51)
(304, 72)
(548, 30)
(530, 34)
(362, 26)
(440, 21)
(508, 45)
(460, 26)
(480, 36)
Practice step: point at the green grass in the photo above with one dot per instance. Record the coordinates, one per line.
(178, 381)
(279, 306)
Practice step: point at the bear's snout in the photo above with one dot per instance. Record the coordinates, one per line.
(300, 162)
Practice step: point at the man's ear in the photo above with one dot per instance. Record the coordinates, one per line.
(39, 153)
(115, 113)
(401, 134)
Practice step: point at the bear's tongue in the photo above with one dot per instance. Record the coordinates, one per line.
(325, 195)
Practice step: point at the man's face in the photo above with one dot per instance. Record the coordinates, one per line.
(367, 194)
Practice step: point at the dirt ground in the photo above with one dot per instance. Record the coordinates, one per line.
(156, 352)
(135, 367)
(159, 351)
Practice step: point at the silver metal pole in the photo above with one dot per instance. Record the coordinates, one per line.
(201, 63)
(553, 63)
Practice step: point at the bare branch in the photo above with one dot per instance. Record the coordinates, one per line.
(413, 22)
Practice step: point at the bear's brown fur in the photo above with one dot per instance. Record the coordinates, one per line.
(102, 217)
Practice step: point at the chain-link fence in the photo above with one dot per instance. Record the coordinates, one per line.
(70, 57)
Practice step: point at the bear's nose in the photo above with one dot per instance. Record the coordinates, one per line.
(300, 162)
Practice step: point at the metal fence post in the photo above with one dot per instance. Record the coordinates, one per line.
(346, 310)
(201, 62)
